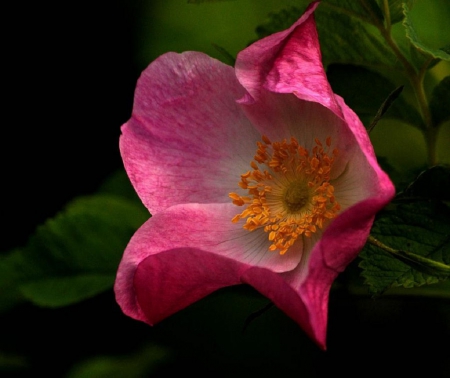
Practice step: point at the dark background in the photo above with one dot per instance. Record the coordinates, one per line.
(70, 72)
(70, 75)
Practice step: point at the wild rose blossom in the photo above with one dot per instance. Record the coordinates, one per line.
(257, 174)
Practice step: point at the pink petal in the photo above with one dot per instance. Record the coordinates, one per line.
(187, 140)
(288, 62)
(167, 282)
(205, 228)
(172, 280)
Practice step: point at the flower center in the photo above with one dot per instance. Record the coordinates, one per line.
(289, 191)
(295, 196)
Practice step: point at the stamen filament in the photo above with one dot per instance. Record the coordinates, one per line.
(292, 196)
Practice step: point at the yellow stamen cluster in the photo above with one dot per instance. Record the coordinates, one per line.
(292, 195)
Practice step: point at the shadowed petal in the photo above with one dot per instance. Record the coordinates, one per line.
(287, 299)
(201, 227)
(363, 178)
(172, 280)
(168, 282)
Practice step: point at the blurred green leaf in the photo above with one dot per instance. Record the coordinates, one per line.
(420, 228)
(346, 40)
(395, 9)
(64, 291)
(412, 36)
(138, 365)
(10, 274)
(366, 10)
(438, 290)
(74, 255)
(440, 102)
(89, 235)
(420, 59)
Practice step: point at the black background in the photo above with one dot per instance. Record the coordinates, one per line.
(70, 77)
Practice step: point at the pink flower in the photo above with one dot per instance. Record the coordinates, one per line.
(257, 175)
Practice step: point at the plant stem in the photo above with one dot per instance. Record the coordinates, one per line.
(381, 245)
(416, 79)
(387, 15)
(409, 257)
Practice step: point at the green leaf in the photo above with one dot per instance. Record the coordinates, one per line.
(440, 102)
(64, 291)
(365, 90)
(10, 274)
(419, 228)
(412, 36)
(137, 365)
(89, 235)
(345, 39)
(364, 10)
(74, 255)
(395, 9)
